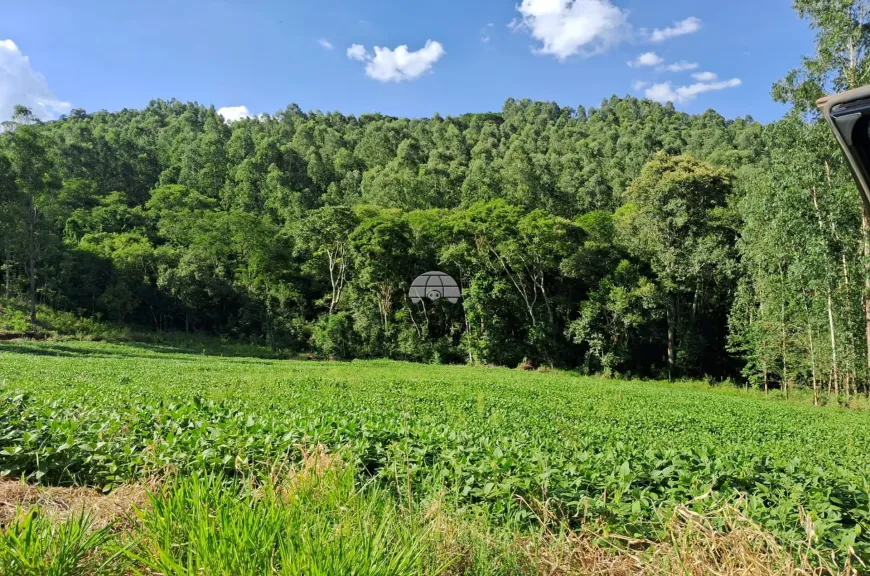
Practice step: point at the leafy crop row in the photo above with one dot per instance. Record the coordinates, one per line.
(621, 453)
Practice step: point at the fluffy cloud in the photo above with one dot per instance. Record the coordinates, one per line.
(399, 64)
(646, 59)
(326, 44)
(357, 52)
(639, 85)
(233, 113)
(569, 27)
(21, 84)
(664, 92)
(680, 66)
(688, 26)
(704, 76)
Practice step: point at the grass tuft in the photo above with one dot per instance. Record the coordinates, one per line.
(313, 520)
(34, 545)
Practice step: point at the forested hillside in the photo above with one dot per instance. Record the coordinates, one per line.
(629, 238)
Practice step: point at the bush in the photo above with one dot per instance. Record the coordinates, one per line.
(333, 336)
(412, 347)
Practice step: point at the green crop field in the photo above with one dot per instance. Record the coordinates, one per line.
(613, 454)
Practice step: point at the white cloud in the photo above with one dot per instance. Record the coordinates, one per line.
(646, 59)
(639, 85)
(680, 66)
(21, 84)
(400, 64)
(233, 113)
(688, 26)
(664, 92)
(357, 52)
(484, 33)
(704, 76)
(326, 43)
(661, 93)
(569, 27)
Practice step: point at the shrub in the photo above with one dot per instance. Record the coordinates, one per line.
(333, 336)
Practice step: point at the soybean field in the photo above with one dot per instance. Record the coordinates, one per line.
(617, 455)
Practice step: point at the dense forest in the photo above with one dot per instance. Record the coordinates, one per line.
(626, 239)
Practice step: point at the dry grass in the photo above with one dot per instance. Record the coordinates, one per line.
(60, 504)
(694, 547)
(289, 476)
(721, 543)
(315, 463)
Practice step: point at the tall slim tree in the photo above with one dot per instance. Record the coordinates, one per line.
(8, 219)
(324, 233)
(841, 62)
(35, 179)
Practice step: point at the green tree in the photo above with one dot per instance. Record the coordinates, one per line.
(325, 233)
(381, 250)
(840, 63)
(9, 219)
(35, 179)
(167, 216)
(611, 320)
(797, 315)
(674, 221)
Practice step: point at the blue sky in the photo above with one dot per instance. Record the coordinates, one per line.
(460, 56)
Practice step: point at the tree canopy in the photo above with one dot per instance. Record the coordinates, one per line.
(626, 238)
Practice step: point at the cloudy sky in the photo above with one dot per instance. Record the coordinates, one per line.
(396, 57)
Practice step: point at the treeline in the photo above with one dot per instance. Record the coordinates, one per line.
(629, 238)
(800, 313)
(307, 229)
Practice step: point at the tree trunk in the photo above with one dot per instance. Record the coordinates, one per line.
(834, 367)
(465, 316)
(7, 262)
(32, 292)
(385, 298)
(414, 321)
(332, 281)
(672, 337)
(426, 315)
(547, 302)
(530, 304)
(31, 267)
(850, 382)
(835, 370)
(812, 359)
(339, 286)
(865, 225)
(784, 334)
